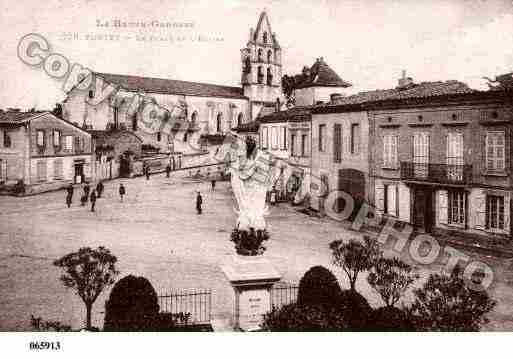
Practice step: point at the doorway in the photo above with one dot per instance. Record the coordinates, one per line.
(79, 172)
(423, 209)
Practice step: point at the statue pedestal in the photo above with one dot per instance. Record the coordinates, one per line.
(252, 279)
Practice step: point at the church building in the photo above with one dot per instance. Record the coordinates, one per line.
(206, 112)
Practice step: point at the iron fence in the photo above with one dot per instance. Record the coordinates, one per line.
(191, 307)
(283, 294)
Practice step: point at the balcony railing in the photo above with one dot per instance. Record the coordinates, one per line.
(436, 172)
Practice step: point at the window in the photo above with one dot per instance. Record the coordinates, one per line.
(292, 144)
(194, 119)
(337, 143)
(456, 207)
(68, 144)
(495, 212)
(269, 77)
(260, 78)
(283, 136)
(421, 154)
(91, 94)
(264, 37)
(185, 137)
(41, 171)
(304, 145)
(265, 137)
(455, 156)
(7, 139)
(259, 54)
(269, 56)
(3, 171)
(495, 151)
(56, 138)
(134, 122)
(390, 151)
(57, 169)
(116, 117)
(355, 138)
(78, 147)
(218, 123)
(274, 137)
(322, 134)
(240, 119)
(390, 194)
(40, 138)
(159, 136)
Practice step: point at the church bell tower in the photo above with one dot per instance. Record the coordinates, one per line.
(261, 67)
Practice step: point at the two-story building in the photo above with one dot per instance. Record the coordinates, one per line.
(442, 162)
(43, 151)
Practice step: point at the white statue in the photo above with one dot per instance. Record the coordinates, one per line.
(251, 178)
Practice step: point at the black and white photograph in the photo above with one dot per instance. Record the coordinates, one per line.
(252, 167)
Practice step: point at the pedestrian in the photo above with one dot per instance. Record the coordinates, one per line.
(99, 189)
(213, 185)
(69, 196)
(93, 200)
(199, 202)
(168, 170)
(122, 191)
(87, 189)
(147, 172)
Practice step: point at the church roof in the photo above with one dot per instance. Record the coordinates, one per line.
(175, 87)
(320, 74)
(294, 114)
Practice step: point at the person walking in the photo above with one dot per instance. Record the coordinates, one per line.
(213, 185)
(87, 189)
(93, 200)
(147, 171)
(122, 191)
(168, 170)
(69, 196)
(199, 202)
(99, 189)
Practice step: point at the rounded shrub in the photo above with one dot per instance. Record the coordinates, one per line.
(355, 309)
(390, 319)
(132, 306)
(298, 318)
(319, 287)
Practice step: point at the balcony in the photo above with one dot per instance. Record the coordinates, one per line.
(436, 172)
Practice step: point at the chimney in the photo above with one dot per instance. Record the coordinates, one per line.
(404, 81)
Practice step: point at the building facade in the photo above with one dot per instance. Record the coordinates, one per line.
(201, 112)
(43, 151)
(444, 164)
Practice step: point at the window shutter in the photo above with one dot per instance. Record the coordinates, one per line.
(386, 155)
(442, 207)
(507, 212)
(480, 211)
(380, 197)
(3, 170)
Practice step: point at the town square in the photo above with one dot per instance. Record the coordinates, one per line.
(296, 168)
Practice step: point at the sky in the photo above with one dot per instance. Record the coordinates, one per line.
(368, 43)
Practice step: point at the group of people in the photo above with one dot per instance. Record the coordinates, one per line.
(90, 196)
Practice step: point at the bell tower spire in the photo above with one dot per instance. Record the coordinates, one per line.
(261, 66)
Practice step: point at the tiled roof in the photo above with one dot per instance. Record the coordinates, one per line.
(17, 117)
(294, 114)
(166, 86)
(422, 90)
(248, 127)
(320, 74)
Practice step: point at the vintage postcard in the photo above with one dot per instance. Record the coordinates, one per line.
(255, 166)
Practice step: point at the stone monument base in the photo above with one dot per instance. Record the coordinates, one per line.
(252, 279)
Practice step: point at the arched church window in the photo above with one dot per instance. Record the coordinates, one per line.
(240, 117)
(159, 136)
(219, 122)
(260, 78)
(134, 122)
(269, 76)
(247, 65)
(259, 55)
(185, 137)
(269, 56)
(265, 37)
